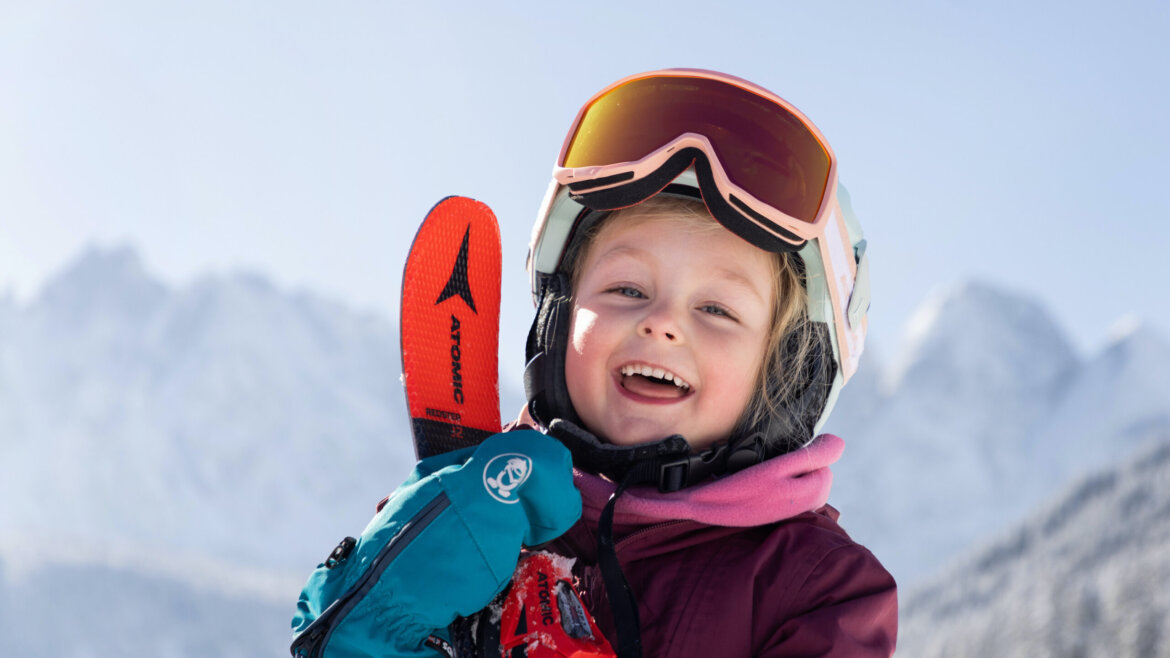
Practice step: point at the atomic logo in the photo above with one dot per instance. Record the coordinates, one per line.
(458, 283)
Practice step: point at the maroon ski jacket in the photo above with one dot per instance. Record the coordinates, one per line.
(750, 565)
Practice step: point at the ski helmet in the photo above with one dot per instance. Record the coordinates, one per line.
(764, 172)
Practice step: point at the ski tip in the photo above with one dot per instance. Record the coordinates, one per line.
(455, 200)
(449, 326)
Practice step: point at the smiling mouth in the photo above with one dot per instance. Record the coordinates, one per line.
(652, 382)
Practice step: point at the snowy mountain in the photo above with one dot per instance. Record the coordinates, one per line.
(184, 456)
(984, 412)
(1117, 401)
(227, 418)
(1087, 576)
(61, 600)
(224, 431)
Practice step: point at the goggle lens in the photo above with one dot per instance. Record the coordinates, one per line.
(762, 146)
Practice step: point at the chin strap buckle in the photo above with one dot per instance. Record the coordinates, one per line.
(672, 475)
(719, 459)
(685, 471)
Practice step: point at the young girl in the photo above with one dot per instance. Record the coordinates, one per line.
(701, 286)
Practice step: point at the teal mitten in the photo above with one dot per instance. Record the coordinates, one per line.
(444, 544)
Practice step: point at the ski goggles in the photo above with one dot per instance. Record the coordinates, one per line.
(762, 168)
(765, 170)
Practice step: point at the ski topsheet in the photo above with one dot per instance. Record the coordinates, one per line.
(450, 327)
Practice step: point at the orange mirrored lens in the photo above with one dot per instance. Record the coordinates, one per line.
(762, 147)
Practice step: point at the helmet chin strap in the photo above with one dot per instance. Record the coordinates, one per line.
(668, 463)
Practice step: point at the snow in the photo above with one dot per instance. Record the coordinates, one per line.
(60, 601)
(1085, 576)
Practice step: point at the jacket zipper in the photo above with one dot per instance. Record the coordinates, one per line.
(312, 641)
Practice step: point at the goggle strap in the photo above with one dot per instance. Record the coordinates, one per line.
(636, 190)
(585, 186)
(735, 215)
(841, 274)
(859, 299)
(738, 218)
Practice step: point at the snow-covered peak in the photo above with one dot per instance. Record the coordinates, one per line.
(104, 282)
(936, 458)
(1133, 339)
(1118, 399)
(1124, 326)
(179, 417)
(1133, 370)
(976, 336)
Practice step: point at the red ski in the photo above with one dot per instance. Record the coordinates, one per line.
(450, 327)
(450, 336)
(543, 617)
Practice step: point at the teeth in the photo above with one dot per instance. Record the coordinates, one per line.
(657, 373)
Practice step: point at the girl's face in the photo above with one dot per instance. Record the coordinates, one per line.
(669, 327)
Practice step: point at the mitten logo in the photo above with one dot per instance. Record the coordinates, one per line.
(504, 473)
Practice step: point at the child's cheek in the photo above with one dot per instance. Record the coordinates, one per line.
(582, 326)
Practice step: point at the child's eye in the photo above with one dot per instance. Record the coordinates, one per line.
(719, 311)
(716, 309)
(627, 291)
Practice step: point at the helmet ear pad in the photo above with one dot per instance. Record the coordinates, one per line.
(548, 339)
(807, 352)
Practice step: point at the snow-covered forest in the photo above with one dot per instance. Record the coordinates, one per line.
(1086, 575)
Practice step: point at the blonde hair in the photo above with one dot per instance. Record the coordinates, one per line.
(781, 378)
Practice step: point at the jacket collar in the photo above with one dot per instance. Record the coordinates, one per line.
(777, 489)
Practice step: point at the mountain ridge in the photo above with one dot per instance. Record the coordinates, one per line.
(253, 427)
(981, 452)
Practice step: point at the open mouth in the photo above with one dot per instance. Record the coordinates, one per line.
(652, 382)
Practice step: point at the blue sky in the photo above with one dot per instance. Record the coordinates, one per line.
(1020, 143)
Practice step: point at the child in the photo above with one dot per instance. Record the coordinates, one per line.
(701, 294)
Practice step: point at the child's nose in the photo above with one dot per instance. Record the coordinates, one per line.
(660, 323)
